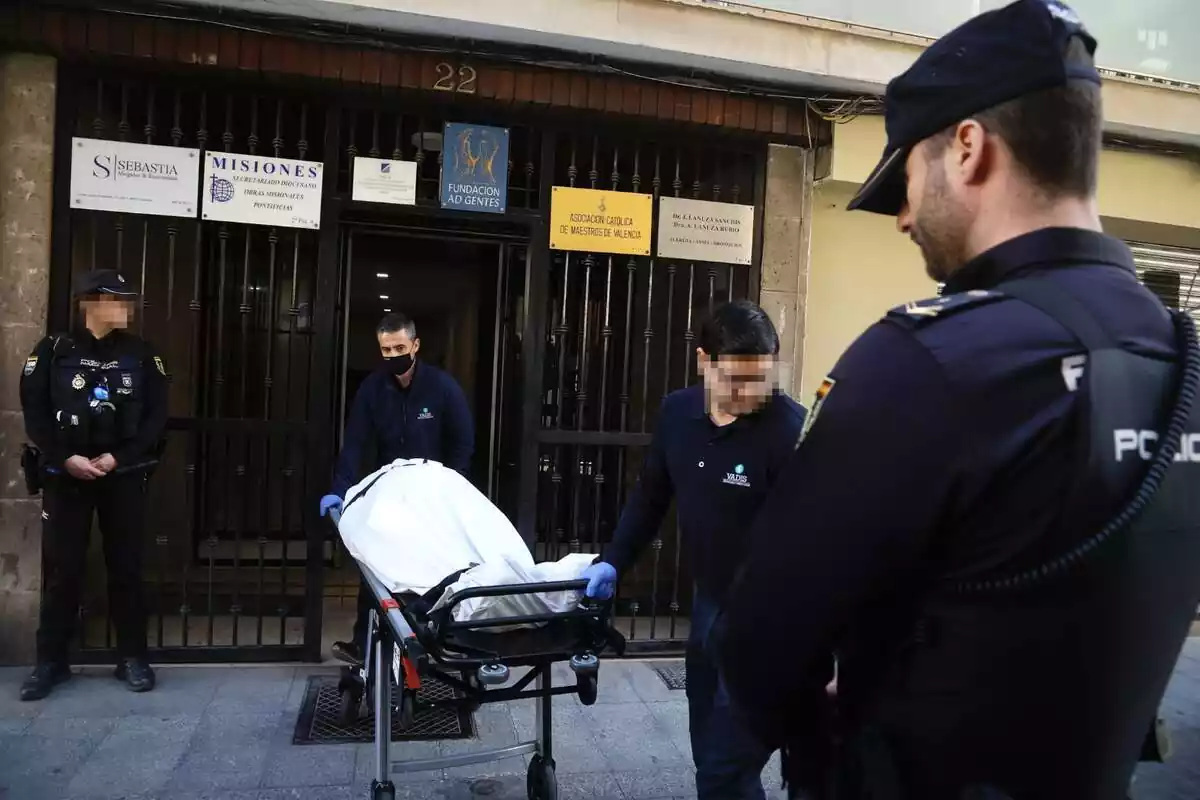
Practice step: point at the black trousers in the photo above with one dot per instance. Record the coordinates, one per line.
(68, 506)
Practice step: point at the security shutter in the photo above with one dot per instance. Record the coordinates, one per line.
(1171, 273)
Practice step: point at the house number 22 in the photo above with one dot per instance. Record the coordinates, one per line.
(449, 79)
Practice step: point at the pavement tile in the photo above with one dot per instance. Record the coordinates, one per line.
(364, 769)
(97, 694)
(33, 767)
(240, 767)
(315, 793)
(576, 749)
(650, 686)
(138, 756)
(254, 690)
(669, 782)
(632, 739)
(292, 766)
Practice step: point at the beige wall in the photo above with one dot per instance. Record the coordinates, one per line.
(860, 266)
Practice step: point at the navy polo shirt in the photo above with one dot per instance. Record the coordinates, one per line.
(427, 419)
(718, 475)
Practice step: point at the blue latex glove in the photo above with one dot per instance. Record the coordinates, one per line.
(602, 580)
(330, 501)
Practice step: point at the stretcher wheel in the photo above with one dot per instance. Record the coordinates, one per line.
(408, 701)
(349, 703)
(540, 782)
(588, 686)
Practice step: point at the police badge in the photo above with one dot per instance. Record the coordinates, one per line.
(127, 380)
(30, 365)
(77, 383)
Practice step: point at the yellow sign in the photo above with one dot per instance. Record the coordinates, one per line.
(599, 221)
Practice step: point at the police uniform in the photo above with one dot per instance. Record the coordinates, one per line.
(718, 477)
(84, 396)
(969, 522)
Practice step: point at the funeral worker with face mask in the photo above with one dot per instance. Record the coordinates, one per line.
(992, 518)
(95, 403)
(717, 448)
(408, 409)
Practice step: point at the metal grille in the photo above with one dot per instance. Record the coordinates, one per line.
(318, 721)
(231, 308)
(1171, 273)
(621, 335)
(674, 674)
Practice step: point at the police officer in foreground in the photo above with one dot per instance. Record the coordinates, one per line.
(409, 409)
(717, 448)
(992, 517)
(95, 404)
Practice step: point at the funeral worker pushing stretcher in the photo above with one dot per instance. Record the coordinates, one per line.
(1005, 580)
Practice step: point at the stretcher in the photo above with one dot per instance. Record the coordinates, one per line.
(406, 642)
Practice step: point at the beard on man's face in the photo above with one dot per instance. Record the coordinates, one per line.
(938, 229)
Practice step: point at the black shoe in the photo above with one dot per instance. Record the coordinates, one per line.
(42, 681)
(137, 673)
(348, 652)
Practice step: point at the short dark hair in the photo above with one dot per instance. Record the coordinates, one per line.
(1055, 136)
(394, 322)
(739, 328)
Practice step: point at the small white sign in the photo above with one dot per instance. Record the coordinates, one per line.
(259, 190)
(700, 230)
(378, 180)
(134, 178)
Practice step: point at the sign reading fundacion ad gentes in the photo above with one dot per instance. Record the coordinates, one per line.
(260, 190)
(134, 178)
(598, 221)
(474, 168)
(700, 230)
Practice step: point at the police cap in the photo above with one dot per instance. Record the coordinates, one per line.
(995, 57)
(103, 281)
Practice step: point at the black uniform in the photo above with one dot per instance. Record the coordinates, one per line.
(969, 521)
(87, 397)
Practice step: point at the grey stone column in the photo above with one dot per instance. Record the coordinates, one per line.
(27, 96)
(787, 228)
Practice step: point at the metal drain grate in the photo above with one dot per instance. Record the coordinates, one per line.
(674, 675)
(318, 722)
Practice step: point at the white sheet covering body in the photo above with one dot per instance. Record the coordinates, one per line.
(418, 522)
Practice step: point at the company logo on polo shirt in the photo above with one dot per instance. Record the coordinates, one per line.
(425, 414)
(737, 477)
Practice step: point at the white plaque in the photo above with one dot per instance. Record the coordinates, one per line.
(700, 230)
(134, 178)
(259, 190)
(379, 180)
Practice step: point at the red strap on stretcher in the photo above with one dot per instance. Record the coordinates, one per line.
(412, 680)
(389, 603)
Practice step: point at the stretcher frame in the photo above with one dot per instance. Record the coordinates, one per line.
(393, 647)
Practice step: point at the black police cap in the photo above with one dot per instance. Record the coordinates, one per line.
(995, 57)
(103, 281)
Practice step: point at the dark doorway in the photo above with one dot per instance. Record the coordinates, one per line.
(465, 294)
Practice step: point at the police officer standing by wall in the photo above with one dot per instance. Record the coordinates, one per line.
(717, 448)
(95, 404)
(410, 410)
(992, 517)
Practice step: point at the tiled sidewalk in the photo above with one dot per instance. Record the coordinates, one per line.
(225, 733)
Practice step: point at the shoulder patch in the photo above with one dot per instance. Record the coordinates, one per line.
(162, 370)
(30, 365)
(922, 312)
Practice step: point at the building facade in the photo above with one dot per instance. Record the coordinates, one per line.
(266, 327)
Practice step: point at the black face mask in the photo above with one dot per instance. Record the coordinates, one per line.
(398, 365)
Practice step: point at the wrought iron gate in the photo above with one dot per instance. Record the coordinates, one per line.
(621, 336)
(229, 557)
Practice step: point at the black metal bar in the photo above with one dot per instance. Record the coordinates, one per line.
(200, 654)
(533, 347)
(324, 326)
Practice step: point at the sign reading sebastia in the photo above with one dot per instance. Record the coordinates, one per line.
(377, 180)
(475, 168)
(259, 190)
(700, 230)
(134, 178)
(599, 221)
